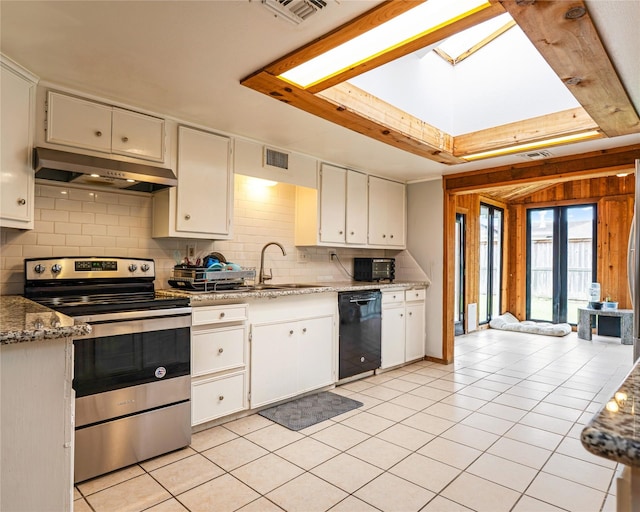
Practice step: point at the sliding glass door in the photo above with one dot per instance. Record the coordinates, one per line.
(491, 228)
(561, 251)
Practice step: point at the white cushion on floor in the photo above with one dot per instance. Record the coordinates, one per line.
(508, 322)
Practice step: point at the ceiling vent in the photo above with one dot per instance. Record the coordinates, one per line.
(274, 158)
(294, 11)
(536, 155)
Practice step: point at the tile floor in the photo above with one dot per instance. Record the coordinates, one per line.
(496, 431)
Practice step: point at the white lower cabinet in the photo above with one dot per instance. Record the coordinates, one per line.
(293, 347)
(403, 326)
(218, 362)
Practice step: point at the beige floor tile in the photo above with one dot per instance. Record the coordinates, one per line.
(520, 452)
(524, 392)
(579, 471)
(379, 453)
(211, 437)
(274, 436)
(381, 393)
(172, 505)
(261, 505)
(534, 436)
(478, 439)
(307, 453)
(406, 497)
(573, 448)
(317, 427)
(447, 385)
(132, 495)
(448, 412)
(368, 423)
(504, 412)
(400, 384)
(235, 453)
(110, 479)
(186, 473)
(557, 411)
(428, 423)
(430, 393)
(451, 453)
(76, 494)
(379, 379)
(353, 504)
(355, 386)
(519, 402)
(503, 472)
(390, 411)
(81, 506)
(407, 437)
(267, 473)
(529, 504)
(425, 472)
(544, 422)
(480, 495)
(609, 504)
(413, 402)
(307, 493)
(440, 504)
(480, 393)
(340, 436)
(565, 494)
(367, 401)
(465, 402)
(416, 378)
(433, 371)
(163, 460)
(223, 494)
(248, 424)
(487, 423)
(347, 472)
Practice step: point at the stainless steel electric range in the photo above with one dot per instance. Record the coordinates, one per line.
(132, 375)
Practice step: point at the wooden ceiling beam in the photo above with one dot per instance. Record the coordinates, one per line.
(568, 167)
(565, 35)
(567, 122)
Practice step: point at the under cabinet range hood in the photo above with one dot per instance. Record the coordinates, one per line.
(51, 164)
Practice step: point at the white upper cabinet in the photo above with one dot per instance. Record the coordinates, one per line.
(336, 214)
(85, 124)
(387, 213)
(201, 205)
(16, 143)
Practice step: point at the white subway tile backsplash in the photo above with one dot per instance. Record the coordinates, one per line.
(78, 240)
(82, 218)
(66, 204)
(51, 239)
(44, 226)
(67, 228)
(94, 229)
(94, 207)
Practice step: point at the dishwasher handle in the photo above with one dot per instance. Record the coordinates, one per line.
(362, 301)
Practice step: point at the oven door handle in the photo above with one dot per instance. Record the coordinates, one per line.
(140, 325)
(131, 315)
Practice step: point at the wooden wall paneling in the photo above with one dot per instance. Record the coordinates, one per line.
(448, 281)
(517, 268)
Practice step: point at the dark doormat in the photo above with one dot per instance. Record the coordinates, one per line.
(309, 410)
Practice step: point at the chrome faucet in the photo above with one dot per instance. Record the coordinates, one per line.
(264, 276)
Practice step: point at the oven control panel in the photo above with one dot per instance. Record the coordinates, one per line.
(86, 267)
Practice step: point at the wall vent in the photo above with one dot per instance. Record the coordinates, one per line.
(536, 155)
(274, 158)
(294, 11)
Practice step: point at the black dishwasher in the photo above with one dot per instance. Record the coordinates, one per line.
(360, 335)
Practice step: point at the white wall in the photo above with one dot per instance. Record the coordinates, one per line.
(425, 243)
(76, 221)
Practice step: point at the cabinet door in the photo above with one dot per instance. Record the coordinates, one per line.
(315, 353)
(273, 362)
(16, 174)
(396, 213)
(393, 336)
(79, 123)
(204, 177)
(386, 212)
(137, 135)
(214, 350)
(356, 217)
(332, 204)
(415, 331)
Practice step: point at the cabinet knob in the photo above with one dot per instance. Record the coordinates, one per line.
(353, 233)
(410, 313)
(220, 350)
(384, 236)
(125, 139)
(187, 216)
(22, 201)
(304, 330)
(340, 232)
(221, 398)
(98, 133)
(222, 314)
(401, 315)
(391, 236)
(291, 332)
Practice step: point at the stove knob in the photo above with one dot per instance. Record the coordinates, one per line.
(56, 269)
(133, 267)
(39, 269)
(145, 267)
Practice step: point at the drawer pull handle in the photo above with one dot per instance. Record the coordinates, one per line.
(22, 201)
(221, 398)
(222, 315)
(187, 216)
(98, 133)
(125, 139)
(220, 350)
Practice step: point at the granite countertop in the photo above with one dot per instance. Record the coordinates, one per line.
(200, 298)
(614, 432)
(22, 320)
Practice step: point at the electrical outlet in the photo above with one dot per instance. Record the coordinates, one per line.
(332, 255)
(302, 256)
(191, 250)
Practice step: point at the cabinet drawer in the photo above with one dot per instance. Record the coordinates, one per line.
(418, 294)
(396, 297)
(219, 314)
(217, 349)
(217, 397)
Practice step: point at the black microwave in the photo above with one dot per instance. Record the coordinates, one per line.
(374, 269)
